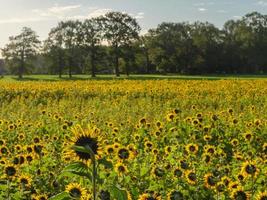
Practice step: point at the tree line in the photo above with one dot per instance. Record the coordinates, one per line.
(112, 44)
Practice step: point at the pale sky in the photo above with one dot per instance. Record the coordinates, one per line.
(42, 15)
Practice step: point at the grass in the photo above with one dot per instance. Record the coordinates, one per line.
(131, 77)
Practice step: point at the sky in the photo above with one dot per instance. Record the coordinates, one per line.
(42, 15)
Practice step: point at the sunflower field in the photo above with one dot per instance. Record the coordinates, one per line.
(133, 139)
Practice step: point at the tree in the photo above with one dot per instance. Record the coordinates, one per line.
(21, 49)
(119, 29)
(71, 36)
(92, 35)
(53, 48)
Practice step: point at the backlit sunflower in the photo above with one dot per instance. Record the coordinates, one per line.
(25, 180)
(76, 191)
(124, 153)
(87, 138)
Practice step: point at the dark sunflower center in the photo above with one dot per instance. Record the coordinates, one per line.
(104, 195)
(250, 169)
(192, 176)
(211, 181)
(10, 171)
(263, 197)
(159, 172)
(123, 154)
(176, 195)
(75, 193)
(150, 198)
(121, 168)
(192, 148)
(240, 195)
(178, 173)
(24, 181)
(86, 141)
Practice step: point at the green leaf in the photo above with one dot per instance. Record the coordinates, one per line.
(106, 163)
(118, 193)
(61, 196)
(78, 168)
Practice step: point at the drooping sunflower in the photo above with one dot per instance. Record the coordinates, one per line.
(158, 172)
(76, 191)
(175, 195)
(87, 138)
(210, 181)
(261, 196)
(147, 196)
(239, 194)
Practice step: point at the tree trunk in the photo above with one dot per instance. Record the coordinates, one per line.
(21, 68)
(93, 63)
(117, 72)
(147, 62)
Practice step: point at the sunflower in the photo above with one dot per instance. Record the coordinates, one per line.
(10, 171)
(234, 142)
(175, 195)
(209, 181)
(158, 172)
(123, 153)
(206, 158)
(261, 196)
(25, 180)
(170, 117)
(191, 177)
(177, 172)
(192, 148)
(239, 194)
(248, 137)
(76, 191)
(147, 196)
(249, 168)
(87, 138)
(121, 168)
(109, 149)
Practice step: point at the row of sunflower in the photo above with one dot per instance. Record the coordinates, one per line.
(150, 139)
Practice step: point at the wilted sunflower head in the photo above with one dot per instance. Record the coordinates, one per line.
(76, 191)
(89, 138)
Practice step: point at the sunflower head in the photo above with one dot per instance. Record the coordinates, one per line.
(76, 191)
(88, 138)
(261, 196)
(239, 194)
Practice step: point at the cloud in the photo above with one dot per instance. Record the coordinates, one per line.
(222, 11)
(202, 9)
(99, 12)
(237, 17)
(139, 15)
(262, 3)
(20, 20)
(57, 11)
